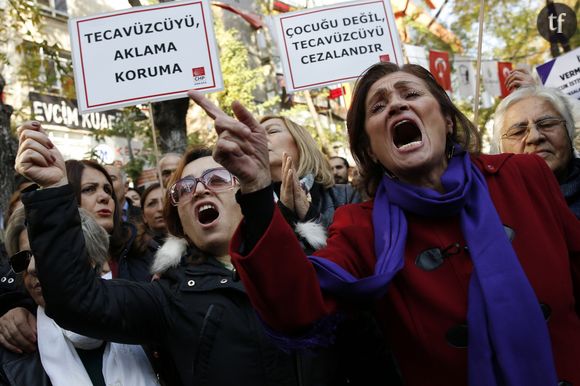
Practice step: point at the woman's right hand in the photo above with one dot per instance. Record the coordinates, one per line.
(37, 158)
(18, 330)
(519, 77)
(242, 146)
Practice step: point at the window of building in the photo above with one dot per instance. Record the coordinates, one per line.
(55, 8)
(53, 69)
(46, 70)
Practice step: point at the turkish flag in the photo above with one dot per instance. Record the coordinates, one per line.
(503, 70)
(440, 68)
(335, 93)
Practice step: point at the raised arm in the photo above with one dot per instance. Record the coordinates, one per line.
(113, 310)
(281, 282)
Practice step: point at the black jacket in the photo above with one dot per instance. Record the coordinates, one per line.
(132, 265)
(198, 315)
(22, 369)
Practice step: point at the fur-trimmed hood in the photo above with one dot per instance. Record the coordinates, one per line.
(312, 232)
(171, 252)
(169, 255)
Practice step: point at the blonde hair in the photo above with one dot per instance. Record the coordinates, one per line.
(311, 159)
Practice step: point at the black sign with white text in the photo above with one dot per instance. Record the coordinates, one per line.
(60, 111)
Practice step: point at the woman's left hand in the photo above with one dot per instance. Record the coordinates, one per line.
(291, 193)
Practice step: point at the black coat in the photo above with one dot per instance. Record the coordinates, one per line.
(197, 315)
(22, 369)
(132, 265)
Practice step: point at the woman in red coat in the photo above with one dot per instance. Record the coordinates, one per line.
(469, 258)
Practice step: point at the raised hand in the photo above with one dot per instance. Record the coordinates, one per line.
(291, 193)
(37, 158)
(519, 78)
(242, 145)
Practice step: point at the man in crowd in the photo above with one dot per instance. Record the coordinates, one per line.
(339, 169)
(119, 178)
(167, 165)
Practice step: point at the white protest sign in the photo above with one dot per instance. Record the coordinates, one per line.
(144, 54)
(563, 73)
(335, 44)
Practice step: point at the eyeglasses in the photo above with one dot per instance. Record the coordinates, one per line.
(19, 261)
(521, 130)
(216, 180)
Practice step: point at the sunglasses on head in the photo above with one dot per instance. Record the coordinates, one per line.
(19, 261)
(216, 180)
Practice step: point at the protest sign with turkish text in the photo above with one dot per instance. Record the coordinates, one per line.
(144, 54)
(334, 44)
(563, 73)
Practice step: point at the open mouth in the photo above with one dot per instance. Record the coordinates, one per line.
(406, 134)
(206, 214)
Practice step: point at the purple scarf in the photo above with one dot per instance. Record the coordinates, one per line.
(509, 344)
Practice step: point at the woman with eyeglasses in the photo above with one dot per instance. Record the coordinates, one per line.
(64, 358)
(466, 257)
(539, 120)
(197, 313)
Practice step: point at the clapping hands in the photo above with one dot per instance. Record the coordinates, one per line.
(291, 193)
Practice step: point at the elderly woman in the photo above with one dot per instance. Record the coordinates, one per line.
(540, 120)
(471, 286)
(63, 357)
(197, 314)
(303, 181)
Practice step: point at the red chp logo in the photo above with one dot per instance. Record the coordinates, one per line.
(198, 71)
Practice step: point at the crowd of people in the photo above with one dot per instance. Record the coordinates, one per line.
(263, 261)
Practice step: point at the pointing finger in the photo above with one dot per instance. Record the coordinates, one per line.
(211, 109)
(246, 117)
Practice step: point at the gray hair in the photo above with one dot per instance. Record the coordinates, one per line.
(562, 103)
(96, 240)
(14, 228)
(96, 237)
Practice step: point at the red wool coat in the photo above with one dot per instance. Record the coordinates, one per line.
(424, 312)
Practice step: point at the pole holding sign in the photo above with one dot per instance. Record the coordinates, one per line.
(335, 44)
(144, 54)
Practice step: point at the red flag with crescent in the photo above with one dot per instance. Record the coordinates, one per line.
(503, 70)
(440, 68)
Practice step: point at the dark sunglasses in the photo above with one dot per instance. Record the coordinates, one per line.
(433, 258)
(19, 261)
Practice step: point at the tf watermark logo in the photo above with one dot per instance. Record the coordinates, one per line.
(557, 22)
